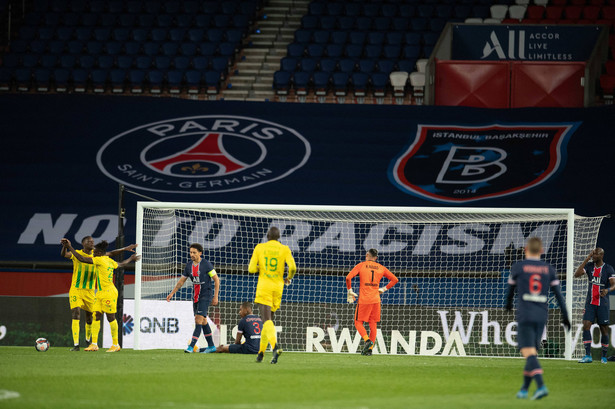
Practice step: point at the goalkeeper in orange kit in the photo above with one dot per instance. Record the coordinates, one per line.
(368, 308)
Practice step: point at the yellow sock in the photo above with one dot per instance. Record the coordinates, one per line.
(269, 329)
(95, 331)
(365, 338)
(114, 335)
(88, 331)
(264, 339)
(75, 328)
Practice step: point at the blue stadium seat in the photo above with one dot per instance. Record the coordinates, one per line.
(178, 34)
(70, 19)
(132, 47)
(42, 33)
(327, 64)
(76, 47)
(42, 79)
(105, 62)
(89, 20)
(367, 65)
(212, 80)
(61, 78)
(136, 80)
(67, 61)
(40, 5)
(462, 11)
(164, 20)
(354, 51)
(359, 83)
(406, 65)
(363, 23)
(316, 9)
(99, 80)
(200, 63)
(19, 46)
(143, 62)
(151, 48)
(228, 7)
(10, 60)
(444, 11)
(139, 34)
(117, 77)
(170, 48)
(327, 22)
(233, 36)
(321, 36)
(248, 8)
(335, 8)
(175, 79)
(288, 64)
(113, 47)
(171, 7)
(108, 19)
(303, 36)
(281, 82)
(64, 33)
(309, 22)
(346, 23)
(181, 63)
(412, 38)
(152, 7)
(215, 35)
(124, 62)
(86, 62)
(347, 65)
(340, 83)
(436, 24)
(308, 64)
(334, 50)
(83, 33)
(211, 7)
(373, 51)
(102, 34)
(127, 20)
(79, 79)
(193, 81)
(240, 21)
(339, 37)
(352, 9)
(427, 50)
(55, 46)
(394, 38)
(430, 38)
(301, 81)
(379, 82)
(388, 10)
(185, 21)
(357, 37)
(159, 34)
(419, 23)
(188, 49)
(29, 60)
(221, 21)
(411, 52)
(134, 6)
(48, 61)
(370, 9)
(226, 49)
(162, 62)
(6, 77)
(391, 52)
(321, 80)
(51, 19)
(315, 50)
(115, 6)
(146, 20)
(481, 11)
(207, 49)
(407, 10)
(23, 78)
(295, 50)
(425, 10)
(220, 64)
(375, 37)
(382, 23)
(385, 66)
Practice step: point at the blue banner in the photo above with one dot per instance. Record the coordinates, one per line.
(63, 157)
(561, 43)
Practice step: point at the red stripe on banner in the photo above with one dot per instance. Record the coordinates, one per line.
(538, 371)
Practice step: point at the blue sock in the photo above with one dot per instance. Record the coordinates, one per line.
(196, 334)
(605, 345)
(587, 341)
(533, 370)
(207, 334)
(526, 381)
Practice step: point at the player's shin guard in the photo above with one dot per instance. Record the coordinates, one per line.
(264, 339)
(533, 370)
(75, 330)
(269, 329)
(587, 341)
(196, 334)
(604, 340)
(361, 329)
(114, 332)
(88, 331)
(95, 331)
(207, 335)
(373, 331)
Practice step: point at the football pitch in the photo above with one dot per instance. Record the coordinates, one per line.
(172, 379)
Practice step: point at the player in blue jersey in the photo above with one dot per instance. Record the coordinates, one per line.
(601, 281)
(202, 273)
(250, 328)
(532, 278)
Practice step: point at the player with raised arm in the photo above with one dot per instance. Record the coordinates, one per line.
(532, 278)
(601, 278)
(269, 260)
(82, 293)
(106, 297)
(250, 328)
(201, 272)
(368, 307)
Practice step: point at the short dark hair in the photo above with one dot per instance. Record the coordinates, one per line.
(197, 246)
(273, 233)
(102, 246)
(247, 305)
(373, 252)
(85, 238)
(534, 245)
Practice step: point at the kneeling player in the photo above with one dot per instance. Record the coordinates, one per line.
(250, 328)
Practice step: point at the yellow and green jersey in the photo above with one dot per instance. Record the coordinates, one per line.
(84, 274)
(268, 260)
(104, 268)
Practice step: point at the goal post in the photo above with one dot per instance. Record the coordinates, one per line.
(453, 265)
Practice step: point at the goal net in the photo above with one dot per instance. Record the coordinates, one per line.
(452, 263)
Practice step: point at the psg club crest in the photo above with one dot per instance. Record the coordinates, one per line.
(459, 164)
(203, 154)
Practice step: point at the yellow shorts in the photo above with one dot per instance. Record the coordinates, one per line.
(82, 298)
(269, 295)
(106, 301)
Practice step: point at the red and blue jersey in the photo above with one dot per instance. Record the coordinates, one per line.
(598, 280)
(533, 279)
(250, 326)
(200, 275)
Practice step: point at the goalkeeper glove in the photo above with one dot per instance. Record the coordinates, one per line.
(566, 323)
(382, 290)
(352, 296)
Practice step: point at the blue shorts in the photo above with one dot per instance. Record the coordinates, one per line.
(529, 334)
(599, 313)
(241, 349)
(200, 307)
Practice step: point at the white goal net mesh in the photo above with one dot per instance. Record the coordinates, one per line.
(453, 268)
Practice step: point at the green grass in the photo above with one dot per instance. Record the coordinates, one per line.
(166, 379)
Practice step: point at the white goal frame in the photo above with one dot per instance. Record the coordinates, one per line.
(566, 213)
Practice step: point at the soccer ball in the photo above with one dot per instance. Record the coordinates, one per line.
(42, 345)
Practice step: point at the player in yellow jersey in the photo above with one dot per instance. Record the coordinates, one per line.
(269, 259)
(106, 297)
(82, 295)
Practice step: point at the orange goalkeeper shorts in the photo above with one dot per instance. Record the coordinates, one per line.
(367, 313)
